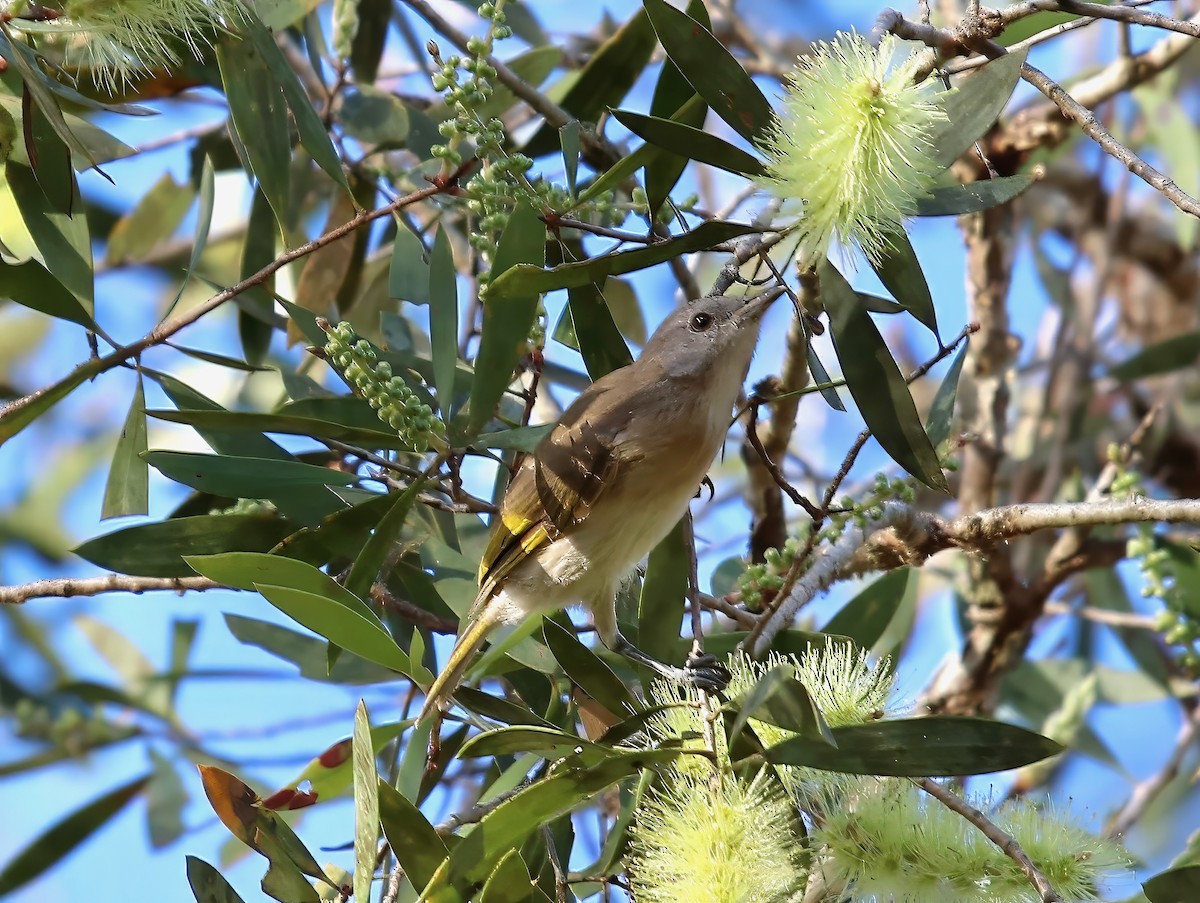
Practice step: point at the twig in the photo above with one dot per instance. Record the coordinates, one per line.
(70, 587)
(1101, 615)
(1117, 13)
(385, 598)
(1004, 841)
(1148, 790)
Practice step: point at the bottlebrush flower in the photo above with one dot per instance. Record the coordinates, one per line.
(122, 40)
(853, 142)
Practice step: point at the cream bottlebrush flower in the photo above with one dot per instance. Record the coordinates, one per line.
(122, 40)
(681, 721)
(853, 143)
(887, 841)
(715, 838)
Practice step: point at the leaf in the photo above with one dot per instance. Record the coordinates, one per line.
(165, 799)
(366, 805)
(367, 566)
(330, 269)
(524, 278)
(443, 320)
(309, 654)
(93, 144)
(204, 217)
(497, 709)
(243, 478)
(258, 110)
(253, 422)
(779, 698)
(974, 106)
(17, 415)
(941, 412)
(1180, 885)
(128, 488)
(510, 823)
(954, 200)
(1176, 353)
(664, 591)
(600, 342)
(61, 241)
(312, 131)
(245, 570)
(157, 550)
(606, 78)
(207, 884)
(875, 382)
(711, 70)
(155, 218)
(417, 846)
(341, 625)
(866, 617)
(408, 274)
(235, 443)
(568, 137)
(548, 742)
(507, 320)
(65, 835)
(587, 671)
(510, 882)
(919, 747)
(822, 378)
(256, 306)
(900, 271)
(521, 438)
(690, 143)
(32, 286)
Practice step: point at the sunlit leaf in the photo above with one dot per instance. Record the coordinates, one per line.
(443, 320)
(689, 143)
(366, 805)
(128, 488)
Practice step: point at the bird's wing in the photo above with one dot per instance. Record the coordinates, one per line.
(552, 491)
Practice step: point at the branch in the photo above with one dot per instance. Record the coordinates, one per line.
(1148, 790)
(69, 587)
(1127, 14)
(1006, 842)
(901, 535)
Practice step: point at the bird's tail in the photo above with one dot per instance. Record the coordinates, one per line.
(466, 646)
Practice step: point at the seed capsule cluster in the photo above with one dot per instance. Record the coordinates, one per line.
(394, 402)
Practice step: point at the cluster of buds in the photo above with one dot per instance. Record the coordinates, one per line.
(394, 402)
(759, 583)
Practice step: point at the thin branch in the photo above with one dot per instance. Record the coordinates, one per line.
(1148, 790)
(385, 598)
(1006, 843)
(1122, 13)
(70, 587)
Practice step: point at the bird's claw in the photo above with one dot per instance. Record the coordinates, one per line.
(706, 672)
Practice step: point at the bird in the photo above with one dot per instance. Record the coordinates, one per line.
(610, 481)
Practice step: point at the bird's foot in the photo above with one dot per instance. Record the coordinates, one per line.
(706, 672)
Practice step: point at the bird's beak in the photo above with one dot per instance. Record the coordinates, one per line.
(756, 305)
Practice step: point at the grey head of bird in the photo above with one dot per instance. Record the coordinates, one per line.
(700, 334)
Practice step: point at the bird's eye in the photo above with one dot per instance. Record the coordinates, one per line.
(701, 322)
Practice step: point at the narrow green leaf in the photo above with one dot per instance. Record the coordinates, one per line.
(507, 319)
(568, 137)
(587, 671)
(128, 488)
(822, 378)
(207, 884)
(418, 847)
(974, 106)
(375, 116)
(31, 285)
(365, 570)
(548, 742)
(900, 271)
(413, 762)
(309, 654)
(258, 109)
(19, 414)
(510, 823)
(62, 242)
(616, 174)
(954, 200)
(780, 699)
(675, 99)
(521, 438)
(497, 709)
(64, 836)
(245, 570)
(243, 478)
(875, 381)
(919, 747)
(408, 274)
(223, 430)
(165, 799)
(154, 219)
(604, 80)
(208, 199)
(865, 617)
(339, 624)
(711, 69)
(1176, 353)
(524, 279)
(941, 412)
(248, 421)
(259, 250)
(1180, 885)
(366, 805)
(594, 330)
(510, 882)
(689, 143)
(443, 320)
(663, 596)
